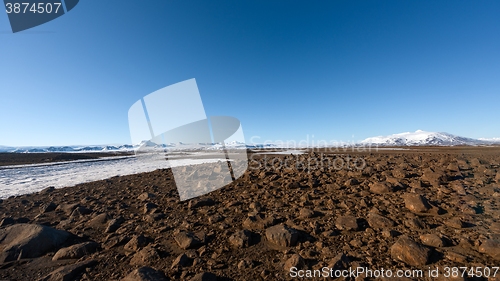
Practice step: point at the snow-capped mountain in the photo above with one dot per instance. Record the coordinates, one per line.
(144, 146)
(43, 149)
(420, 137)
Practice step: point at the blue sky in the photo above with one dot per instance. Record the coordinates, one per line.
(338, 70)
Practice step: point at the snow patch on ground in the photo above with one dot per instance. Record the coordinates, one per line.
(24, 179)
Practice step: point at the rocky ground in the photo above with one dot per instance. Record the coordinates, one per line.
(7, 159)
(392, 209)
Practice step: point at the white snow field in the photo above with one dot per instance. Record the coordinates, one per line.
(23, 179)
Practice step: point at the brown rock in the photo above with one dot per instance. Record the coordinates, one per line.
(49, 207)
(204, 276)
(67, 208)
(145, 274)
(458, 187)
(491, 247)
(246, 263)
(340, 261)
(113, 225)
(200, 202)
(455, 223)
(181, 260)
(294, 261)
(416, 203)
(282, 235)
(137, 242)
(258, 222)
(145, 256)
(29, 241)
(455, 257)
(410, 252)
(378, 221)
(434, 177)
(346, 223)
(69, 272)
(189, 240)
(415, 223)
(380, 188)
(241, 239)
(149, 208)
(305, 213)
(146, 196)
(351, 182)
(98, 221)
(400, 173)
(76, 251)
(432, 240)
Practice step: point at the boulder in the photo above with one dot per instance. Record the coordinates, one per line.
(432, 240)
(241, 239)
(145, 274)
(69, 272)
(189, 240)
(416, 203)
(76, 251)
(145, 256)
(282, 235)
(29, 241)
(379, 221)
(347, 223)
(492, 248)
(380, 188)
(410, 252)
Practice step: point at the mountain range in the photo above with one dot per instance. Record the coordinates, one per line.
(421, 138)
(417, 138)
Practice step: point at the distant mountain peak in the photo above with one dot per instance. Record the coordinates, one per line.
(420, 137)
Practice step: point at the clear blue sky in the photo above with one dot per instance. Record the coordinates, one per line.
(338, 70)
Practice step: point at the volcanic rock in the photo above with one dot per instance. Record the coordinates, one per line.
(200, 202)
(294, 261)
(432, 240)
(189, 240)
(410, 252)
(69, 272)
(491, 247)
(241, 239)
(282, 235)
(29, 241)
(181, 260)
(416, 203)
(204, 276)
(145, 256)
(378, 221)
(137, 242)
(145, 274)
(346, 223)
(380, 188)
(76, 251)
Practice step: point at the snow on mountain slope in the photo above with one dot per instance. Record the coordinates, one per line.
(144, 146)
(420, 137)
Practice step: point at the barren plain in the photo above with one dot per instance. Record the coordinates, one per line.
(423, 208)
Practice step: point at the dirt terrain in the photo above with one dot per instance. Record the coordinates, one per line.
(416, 209)
(8, 159)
